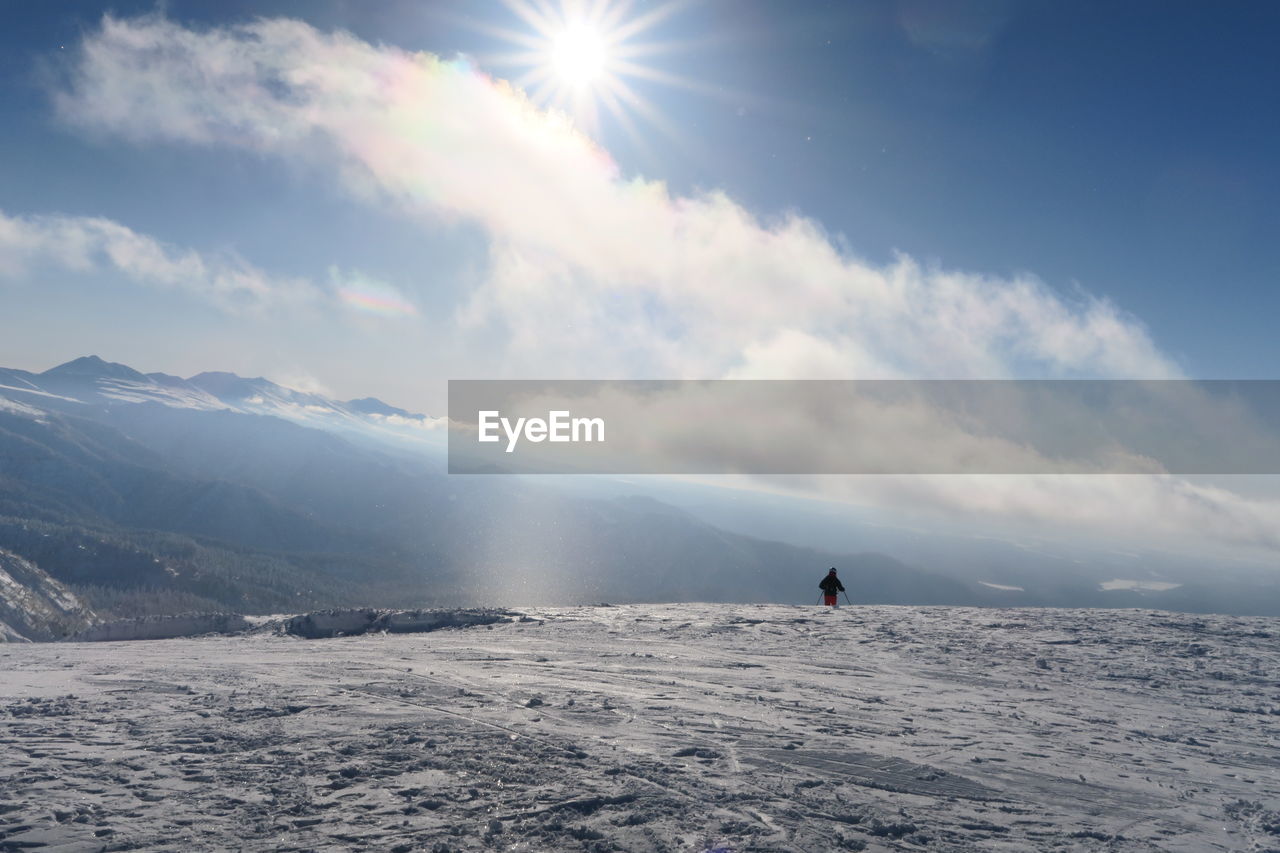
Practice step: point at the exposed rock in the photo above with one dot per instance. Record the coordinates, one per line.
(346, 623)
(165, 627)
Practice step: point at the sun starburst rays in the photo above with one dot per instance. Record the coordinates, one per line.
(577, 56)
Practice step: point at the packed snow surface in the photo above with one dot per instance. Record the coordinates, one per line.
(669, 728)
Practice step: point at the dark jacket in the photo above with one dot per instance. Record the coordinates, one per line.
(831, 585)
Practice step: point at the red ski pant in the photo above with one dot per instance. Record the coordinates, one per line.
(829, 599)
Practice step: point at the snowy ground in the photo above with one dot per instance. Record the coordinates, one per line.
(680, 728)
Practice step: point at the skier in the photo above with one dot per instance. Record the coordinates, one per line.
(830, 586)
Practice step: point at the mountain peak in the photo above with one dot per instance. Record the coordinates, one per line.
(92, 367)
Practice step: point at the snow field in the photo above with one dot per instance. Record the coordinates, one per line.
(658, 727)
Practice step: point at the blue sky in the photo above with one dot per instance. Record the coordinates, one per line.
(1123, 150)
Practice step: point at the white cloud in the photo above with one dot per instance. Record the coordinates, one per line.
(95, 245)
(584, 260)
(1160, 511)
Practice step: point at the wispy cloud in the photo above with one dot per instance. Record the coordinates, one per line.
(96, 245)
(584, 260)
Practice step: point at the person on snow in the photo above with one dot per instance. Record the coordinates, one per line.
(831, 587)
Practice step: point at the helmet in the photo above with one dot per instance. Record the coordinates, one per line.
(833, 570)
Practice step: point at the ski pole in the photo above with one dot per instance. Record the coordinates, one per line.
(846, 598)
(819, 601)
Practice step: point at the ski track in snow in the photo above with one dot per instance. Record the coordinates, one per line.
(658, 727)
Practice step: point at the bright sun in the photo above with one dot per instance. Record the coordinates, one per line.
(579, 56)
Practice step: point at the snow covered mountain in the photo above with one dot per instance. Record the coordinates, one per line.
(154, 494)
(90, 381)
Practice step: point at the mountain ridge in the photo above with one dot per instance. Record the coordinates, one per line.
(93, 381)
(285, 499)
